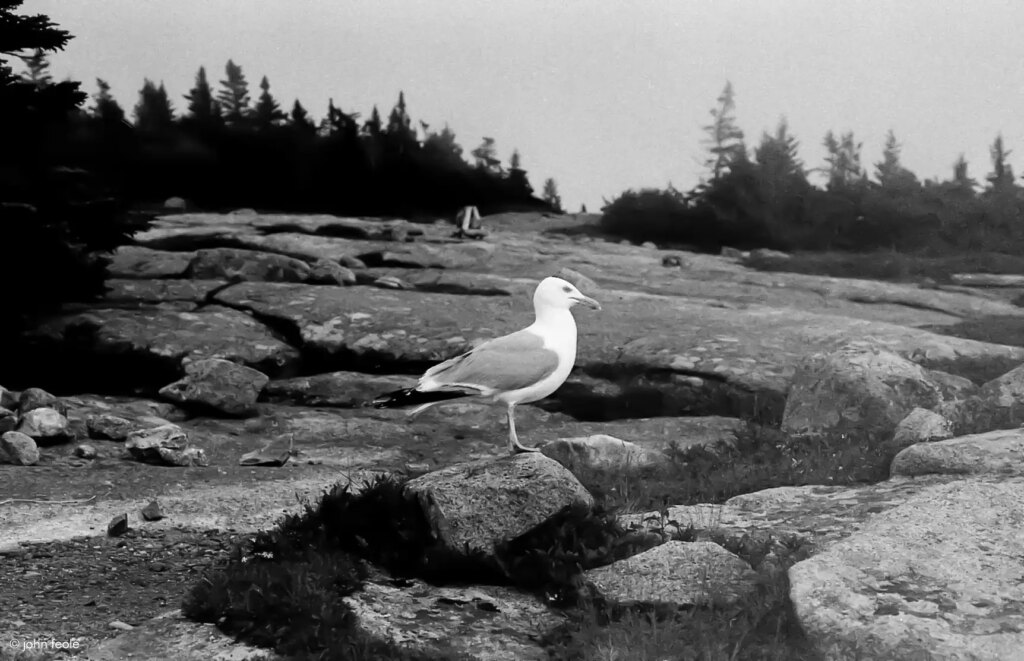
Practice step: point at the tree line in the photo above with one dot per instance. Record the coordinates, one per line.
(763, 197)
(226, 148)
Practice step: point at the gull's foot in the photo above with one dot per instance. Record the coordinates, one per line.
(517, 447)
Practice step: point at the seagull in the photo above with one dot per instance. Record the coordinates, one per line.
(525, 366)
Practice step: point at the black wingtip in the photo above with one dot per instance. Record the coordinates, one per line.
(411, 397)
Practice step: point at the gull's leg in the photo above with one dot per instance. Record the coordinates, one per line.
(513, 441)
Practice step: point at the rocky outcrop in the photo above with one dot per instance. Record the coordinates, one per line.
(482, 503)
(246, 265)
(860, 390)
(935, 577)
(999, 452)
(218, 385)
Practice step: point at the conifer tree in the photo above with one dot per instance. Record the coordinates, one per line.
(778, 156)
(961, 179)
(201, 106)
(234, 95)
(551, 196)
(268, 111)
(889, 171)
(153, 112)
(37, 69)
(515, 163)
(843, 161)
(486, 157)
(373, 126)
(442, 148)
(299, 118)
(105, 107)
(725, 139)
(1001, 177)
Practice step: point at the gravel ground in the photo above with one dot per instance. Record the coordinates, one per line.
(76, 589)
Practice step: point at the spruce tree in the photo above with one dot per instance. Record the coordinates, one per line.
(37, 69)
(268, 111)
(1001, 177)
(201, 106)
(551, 196)
(778, 158)
(515, 163)
(486, 156)
(234, 95)
(153, 112)
(890, 171)
(962, 181)
(843, 167)
(299, 118)
(725, 139)
(105, 107)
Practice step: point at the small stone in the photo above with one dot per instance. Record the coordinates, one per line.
(671, 260)
(37, 398)
(266, 457)
(152, 511)
(45, 424)
(165, 444)
(85, 451)
(18, 449)
(351, 262)
(107, 426)
(117, 526)
(121, 626)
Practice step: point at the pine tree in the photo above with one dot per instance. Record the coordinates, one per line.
(201, 106)
(441, 148)
(551, 196)
(1001, 177)
(399, 123)
(105, 107)
(37, 69)
(843, 161)
(153, 112)
(268, 111)
(725, 139)
(299, 118)
(234, 95)
(777, 156)
(889, 171)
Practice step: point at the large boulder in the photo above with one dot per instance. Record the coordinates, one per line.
(919, 426)
(999, 452)
(863, 390)
(18, 449)
(45, 425)
(218, 385)
(936, 577)
(486, 502)
(246, 265)
(676, 574)
(37, 398)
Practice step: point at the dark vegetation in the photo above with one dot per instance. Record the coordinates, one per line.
(284, 589)
(763, 198)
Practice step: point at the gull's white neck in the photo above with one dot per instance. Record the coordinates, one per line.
(558, 328)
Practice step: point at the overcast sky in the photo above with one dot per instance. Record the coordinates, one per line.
(602, 95)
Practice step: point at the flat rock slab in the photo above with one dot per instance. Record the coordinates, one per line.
(999, 452)
(153, 292)
(936, 577)
(756, 348)
(165, 337)
(342, 389)
(142, 262)
(482, 622)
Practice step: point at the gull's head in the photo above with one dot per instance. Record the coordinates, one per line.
(555, 293)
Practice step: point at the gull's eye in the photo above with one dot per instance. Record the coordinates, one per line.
(567, 289)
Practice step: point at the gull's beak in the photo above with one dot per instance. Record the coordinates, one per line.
(586, 300)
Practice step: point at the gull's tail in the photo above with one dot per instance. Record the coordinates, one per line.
(413, 397)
